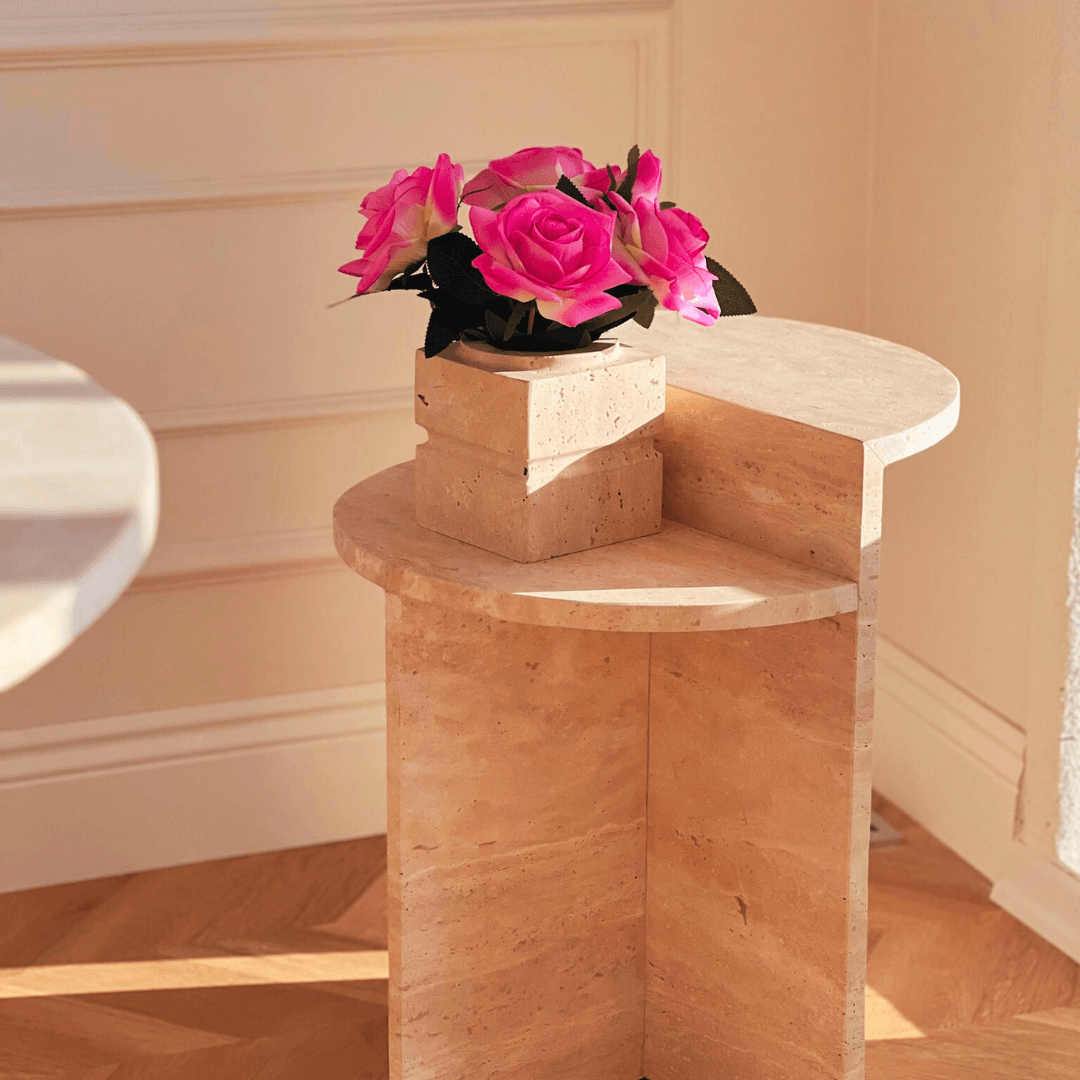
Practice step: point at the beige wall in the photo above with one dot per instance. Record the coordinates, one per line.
(174, 216)
(772, 142)
(195, 288)
(179, 189)
(973, 259)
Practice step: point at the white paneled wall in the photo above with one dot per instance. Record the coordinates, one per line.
(179, 181)
(179, 184)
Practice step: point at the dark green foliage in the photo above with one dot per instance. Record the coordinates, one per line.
(730, 295)
(645, 311)
(410, 281)
(439, 335)
(495, 327)
(633, 297)
(449, 260)
(516, 317)
(626, 188)
(568, 187)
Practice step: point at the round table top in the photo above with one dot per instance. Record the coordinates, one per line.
(679, 579)
(895, 400)
(78, 505)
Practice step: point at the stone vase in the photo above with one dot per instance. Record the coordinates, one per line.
(532, 456)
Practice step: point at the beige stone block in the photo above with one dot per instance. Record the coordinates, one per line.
(752, 775)
(553, 457)
(516, 848)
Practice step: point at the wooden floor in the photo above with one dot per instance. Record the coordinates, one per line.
(261, 968)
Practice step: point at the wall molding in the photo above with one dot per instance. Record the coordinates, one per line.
(213, 558)
(224, 419)
(1043, 896)
(115, 795)
(266, 190)
(257, 23)
(947, 760)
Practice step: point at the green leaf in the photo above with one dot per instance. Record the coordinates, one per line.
(625, 310)
(516, 316)
(410, 281)
(643, 316)
(626, 188)
(565, 335)
(730, 295)
(413, 267)
(449, 260)
(568, 187)
(667, 205)
(452, 312)
(496, 327)
(439, 334)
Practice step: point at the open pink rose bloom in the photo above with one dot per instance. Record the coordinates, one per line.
(536, 169)
(402, 217)
(665, 250)
(545, 246)
(564, 250)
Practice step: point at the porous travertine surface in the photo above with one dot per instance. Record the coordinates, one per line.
(534, 463)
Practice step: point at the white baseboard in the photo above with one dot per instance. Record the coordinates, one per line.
(947, 760)
(102, 797)
(1043, 896)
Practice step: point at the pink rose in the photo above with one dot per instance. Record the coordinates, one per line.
(537, 168)
(402, 217)
(597, 182)
(665, 249)
(546, 246)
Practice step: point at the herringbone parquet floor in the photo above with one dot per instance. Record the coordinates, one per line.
(266, 968)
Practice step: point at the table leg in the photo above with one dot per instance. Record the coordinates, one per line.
(516, 831)
(759, 790)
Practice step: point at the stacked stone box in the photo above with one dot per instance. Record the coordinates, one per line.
(553, 456)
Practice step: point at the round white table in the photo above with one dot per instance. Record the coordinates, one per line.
(78, 505)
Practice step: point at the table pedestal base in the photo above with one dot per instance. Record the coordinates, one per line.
(617, 855)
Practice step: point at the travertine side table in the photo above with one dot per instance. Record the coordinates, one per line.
(629, 789)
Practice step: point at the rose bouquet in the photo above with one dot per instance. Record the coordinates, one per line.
(563, 251)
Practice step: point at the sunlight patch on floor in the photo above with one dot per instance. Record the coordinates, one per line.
(192, 974)
(885, 1021)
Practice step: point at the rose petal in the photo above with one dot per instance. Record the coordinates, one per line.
(572, 311)
(508, 282)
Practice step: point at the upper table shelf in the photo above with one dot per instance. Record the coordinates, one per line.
(891, 398)
(677, 580)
